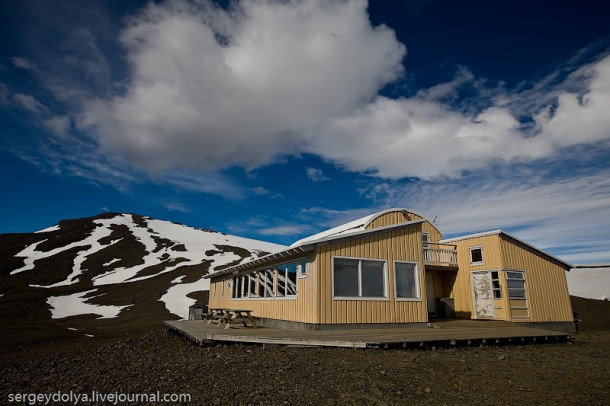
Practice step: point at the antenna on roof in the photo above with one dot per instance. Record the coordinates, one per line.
(434, 221)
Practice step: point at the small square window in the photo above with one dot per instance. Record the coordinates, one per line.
(476, 255)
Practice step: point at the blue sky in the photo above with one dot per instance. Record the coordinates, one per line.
(277, 119)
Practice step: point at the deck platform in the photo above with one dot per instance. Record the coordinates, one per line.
(441, 333)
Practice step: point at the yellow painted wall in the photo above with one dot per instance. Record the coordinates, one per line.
(545, 283)
(492, 259)
(404, 244)
(303, 308)
(398, 216)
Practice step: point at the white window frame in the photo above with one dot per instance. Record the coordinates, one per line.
(477, 247)
(385, 296)
(496, 290)
(222, 288)
(417, 284)
(301, 269)
(425, 238)
(522, 279)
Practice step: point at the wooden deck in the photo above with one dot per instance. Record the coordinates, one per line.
(443, 333)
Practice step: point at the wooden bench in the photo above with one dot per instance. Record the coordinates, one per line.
(230, 316)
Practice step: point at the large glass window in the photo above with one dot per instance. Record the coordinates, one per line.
(407, 280)
(280, 281)
(346, 277)
(516, 285)
(359, 278)
(372, 278)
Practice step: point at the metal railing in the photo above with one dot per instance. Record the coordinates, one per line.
(438, 253)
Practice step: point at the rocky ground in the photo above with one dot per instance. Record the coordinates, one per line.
(577, 372)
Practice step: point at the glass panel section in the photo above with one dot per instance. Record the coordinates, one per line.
(406, 281)
(513, 293)
(291, 281)
(513, 284)
(252, 284)
(281, 281)
(302, 269)
(345, 277)
(373, 280)
(514, 275)
(268, 283)
(237, 286)
(261, 283)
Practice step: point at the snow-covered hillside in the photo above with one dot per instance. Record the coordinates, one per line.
(81, 264)
(590, 282)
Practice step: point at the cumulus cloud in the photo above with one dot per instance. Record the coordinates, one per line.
(424, 137)
(211, 88)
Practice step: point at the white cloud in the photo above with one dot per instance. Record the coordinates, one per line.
(422, 137)
(316, 175)
(569, 215)
(287, 230)
(27, 102)
(212, 88)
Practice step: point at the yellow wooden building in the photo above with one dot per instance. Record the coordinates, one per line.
(394, 268)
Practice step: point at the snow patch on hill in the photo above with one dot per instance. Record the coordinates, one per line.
(181, 246)
(75, 304)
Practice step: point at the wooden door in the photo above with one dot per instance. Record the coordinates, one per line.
(483, 296)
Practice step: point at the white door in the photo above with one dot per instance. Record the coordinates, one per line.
(430, 294)
(483, 295)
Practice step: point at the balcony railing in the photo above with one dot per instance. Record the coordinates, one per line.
(440, 254)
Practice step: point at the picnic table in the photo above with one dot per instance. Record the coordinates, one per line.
(231, 316)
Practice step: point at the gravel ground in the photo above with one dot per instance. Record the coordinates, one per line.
(577, 372)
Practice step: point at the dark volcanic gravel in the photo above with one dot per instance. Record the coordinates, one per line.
(569, 373)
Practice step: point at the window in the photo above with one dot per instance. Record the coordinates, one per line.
(407, 280)
(236, 291)
(476, 255)
(268, 292)
(286, 280)
(302, 269)
(495, 281)
(425, 237)
(359, 278)
(222, 288)
(251, 277)
(516, 284)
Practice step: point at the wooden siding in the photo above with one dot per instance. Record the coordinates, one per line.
(546, 287)
(400, 216)
(547, 297)
(303, 308)
(492, 259)
(401, 245)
